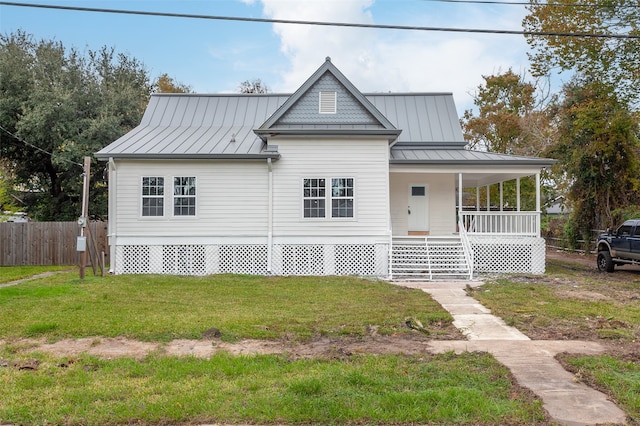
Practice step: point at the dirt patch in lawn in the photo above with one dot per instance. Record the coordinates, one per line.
(319, 348)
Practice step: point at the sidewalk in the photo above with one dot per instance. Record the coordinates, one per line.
(531, 362)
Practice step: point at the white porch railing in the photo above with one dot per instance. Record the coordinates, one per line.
(505, 223)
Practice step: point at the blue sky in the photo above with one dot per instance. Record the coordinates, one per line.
(215, 56)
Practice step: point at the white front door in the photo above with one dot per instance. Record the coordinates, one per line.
(418, 222)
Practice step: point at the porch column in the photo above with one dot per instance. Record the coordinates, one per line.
(488, 199)
(518, 194)
(459, 196)
(477, 198)
(501, 197)
(538, 192)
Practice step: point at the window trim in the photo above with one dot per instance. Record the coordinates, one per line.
(328, 199)
(162, 197)
(174, 196)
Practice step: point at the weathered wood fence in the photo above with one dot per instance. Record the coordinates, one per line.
(46, 243)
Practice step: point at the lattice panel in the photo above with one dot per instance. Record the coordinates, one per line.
(184, 260)
(242, 259)
(355, 259)
(508, 254)
(133, 260)
(288, 259)
(300, 259)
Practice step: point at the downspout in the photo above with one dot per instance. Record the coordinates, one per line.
(270, 218)
(111, 209)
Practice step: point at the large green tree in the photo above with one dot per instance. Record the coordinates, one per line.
(615, 61)
(512, 118)
(598, 152)
(57, 106)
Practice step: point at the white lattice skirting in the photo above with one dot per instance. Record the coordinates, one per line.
(287, 259)
(505, 254)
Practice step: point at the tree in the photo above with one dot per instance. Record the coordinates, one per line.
(510, 119)
(513, 118)
(166, 84)
(57, 106)
(615, 61)
(598, 152)
(253, 86)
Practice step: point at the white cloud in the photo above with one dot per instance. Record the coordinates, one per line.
(378, 60)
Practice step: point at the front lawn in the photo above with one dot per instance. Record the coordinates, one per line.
(163, 308)
(344, 388)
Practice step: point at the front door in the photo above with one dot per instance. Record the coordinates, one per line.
(418, 223)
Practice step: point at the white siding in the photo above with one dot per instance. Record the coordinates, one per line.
(231, 199)
(441, 190)
(365, 160)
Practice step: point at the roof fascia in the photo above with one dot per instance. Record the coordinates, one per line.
(537, 162)
(105, 157)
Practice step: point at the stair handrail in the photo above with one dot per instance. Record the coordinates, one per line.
(466, 245)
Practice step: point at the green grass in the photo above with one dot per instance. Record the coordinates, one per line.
(13, 273)
(365, 389)
(567, 304)
(619, 378)
(162, 308)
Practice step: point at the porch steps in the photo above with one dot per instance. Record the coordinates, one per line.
(428, 258)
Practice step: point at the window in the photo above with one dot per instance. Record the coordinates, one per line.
(313, 195)
(184, 196)
(152, 196)
(342, 197)
(316, 197)
(328, 102)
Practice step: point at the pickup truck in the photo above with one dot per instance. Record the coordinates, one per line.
(619, 247)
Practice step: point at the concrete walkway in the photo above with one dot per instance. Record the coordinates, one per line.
(531, 362)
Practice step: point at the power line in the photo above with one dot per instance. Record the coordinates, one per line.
(37, 147)
(319, 23)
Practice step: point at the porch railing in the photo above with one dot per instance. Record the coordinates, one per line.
(505, 223)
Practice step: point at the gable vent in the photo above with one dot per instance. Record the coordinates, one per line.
(328, 102)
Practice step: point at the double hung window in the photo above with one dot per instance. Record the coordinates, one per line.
(316, 197)
(184, 196)
(152, 196)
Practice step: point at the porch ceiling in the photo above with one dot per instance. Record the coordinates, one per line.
(471, 177)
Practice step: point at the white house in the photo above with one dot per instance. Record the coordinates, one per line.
(326, 181)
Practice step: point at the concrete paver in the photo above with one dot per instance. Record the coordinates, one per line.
(532, 363)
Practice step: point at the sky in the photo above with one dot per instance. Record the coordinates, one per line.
(215, 56)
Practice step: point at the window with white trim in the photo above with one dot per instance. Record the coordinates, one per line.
(152, 196)
(313, 196)
(340, 197)
(184, 196)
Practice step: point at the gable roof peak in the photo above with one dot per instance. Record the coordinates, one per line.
(387, 127)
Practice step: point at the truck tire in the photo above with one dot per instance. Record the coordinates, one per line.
(605, 263)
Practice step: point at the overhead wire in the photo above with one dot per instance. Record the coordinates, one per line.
(37, 148)
(318, 23)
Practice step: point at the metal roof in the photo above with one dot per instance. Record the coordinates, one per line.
(423, 127)
(445, 156)
(204, 125)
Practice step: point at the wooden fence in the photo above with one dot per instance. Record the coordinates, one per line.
(46, 243)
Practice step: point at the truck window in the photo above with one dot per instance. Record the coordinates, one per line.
(624, 230)
(636, 233)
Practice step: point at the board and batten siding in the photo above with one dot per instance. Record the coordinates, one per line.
(441, 190)
(364, 160)
(231, 199)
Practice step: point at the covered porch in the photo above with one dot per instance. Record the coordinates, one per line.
(478, 220)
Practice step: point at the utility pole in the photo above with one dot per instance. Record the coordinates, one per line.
(82, 221)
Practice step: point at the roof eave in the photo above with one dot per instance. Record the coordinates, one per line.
(130, 156)
(546, 162)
